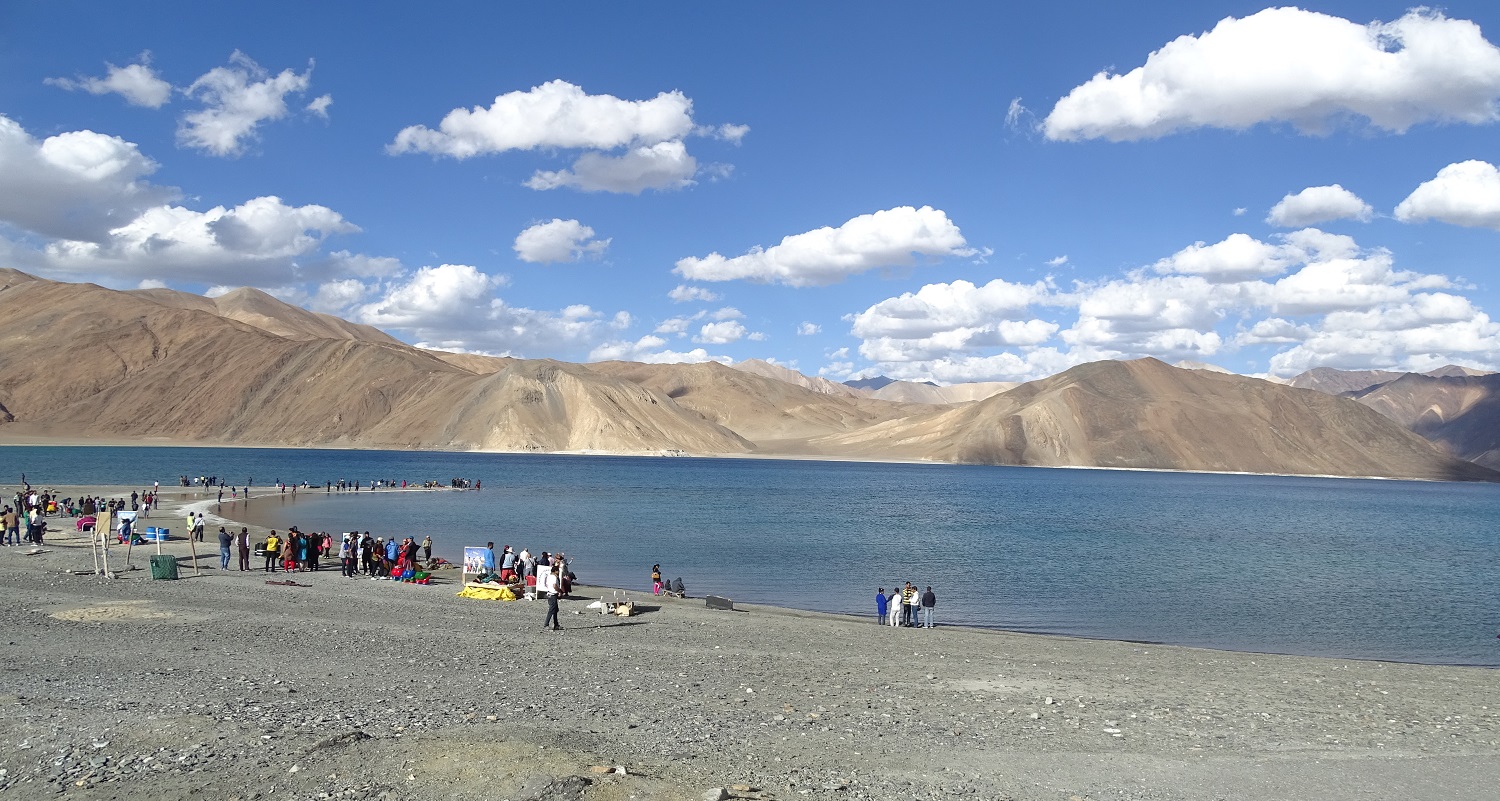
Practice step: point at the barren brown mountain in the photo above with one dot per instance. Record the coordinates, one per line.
(254, 307)
(1338, 382)
(764, 368)
(775, 414)
(1146, 414)
(913, 392)
(1460, 412)
(81, 361)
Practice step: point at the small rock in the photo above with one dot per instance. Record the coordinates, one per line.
(716, 794)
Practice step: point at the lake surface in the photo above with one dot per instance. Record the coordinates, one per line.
(1393, 570)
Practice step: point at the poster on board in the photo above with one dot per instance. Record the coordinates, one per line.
(479, 560)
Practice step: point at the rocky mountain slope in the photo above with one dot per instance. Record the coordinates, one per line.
(1460, 412)
(79, 361)
(1146, 414)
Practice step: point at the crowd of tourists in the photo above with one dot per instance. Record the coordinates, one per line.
(905, 606)
(356, 554)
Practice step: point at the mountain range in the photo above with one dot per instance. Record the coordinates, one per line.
(79, 362)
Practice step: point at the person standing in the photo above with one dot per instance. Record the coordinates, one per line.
(198, 526)
(893, 607)
(273, 551)
(243, 540)
(909, 605)
(549, 586)
(226, 541)
(880, 606)
(929, 607)
(427, 548)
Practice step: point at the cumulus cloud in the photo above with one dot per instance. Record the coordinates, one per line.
(454, 307)
(1466, 193)
(664, 165)
(890, 238)
(1310, 70)
(319, 106)
(236, 100)
(1057, 261)
(1303, 296)
(809, 329)
(721, 333)
(1237, 258)
(1318, 204)
(630, 145)
(682, 293)
(558, 241)
(556, 114)
(263, 235)
(74, 185)
(649, 350)
(137, 83)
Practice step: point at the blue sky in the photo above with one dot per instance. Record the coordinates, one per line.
(971, 191)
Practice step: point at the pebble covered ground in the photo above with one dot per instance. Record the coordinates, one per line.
(224, 687)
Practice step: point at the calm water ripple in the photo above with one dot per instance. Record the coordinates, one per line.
(1393, 570)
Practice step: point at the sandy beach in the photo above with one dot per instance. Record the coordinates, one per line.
(221, 686)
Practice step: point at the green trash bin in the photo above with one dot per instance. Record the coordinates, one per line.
(163, 566)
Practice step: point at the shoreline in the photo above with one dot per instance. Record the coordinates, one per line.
(22, 441)
(182, 506)
(407, 692)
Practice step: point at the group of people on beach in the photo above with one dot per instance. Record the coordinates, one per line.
(296, 551)
(904, 606)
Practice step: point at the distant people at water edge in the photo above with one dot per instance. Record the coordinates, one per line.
(929, 607)
(880, 606)
(656, 579)
(905, 606)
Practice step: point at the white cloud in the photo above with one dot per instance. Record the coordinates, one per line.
(825, 256)
(664, 165)
(1292, 66)
(1305, 294)
(75, 185)
(1466, 193)
(677, 326)
(558, 241)
(1318, 204)
(236, 100)
(1239, 211)
(1057, 261)
(648, 349)
(556, 114)
(809, 329)
(137, 83)
(151, 283)
(728, 313)
(682, 293)
(319, 106)
(453, 307)
(1237, 258)
(721, 333)
(263, 235)
(733, 134)
(335, 296)
(937, 308)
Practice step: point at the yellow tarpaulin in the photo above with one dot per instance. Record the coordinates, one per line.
(488, 593)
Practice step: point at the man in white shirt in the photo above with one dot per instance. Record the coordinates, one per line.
(547, 585)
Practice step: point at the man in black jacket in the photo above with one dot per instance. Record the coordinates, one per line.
(929, 607)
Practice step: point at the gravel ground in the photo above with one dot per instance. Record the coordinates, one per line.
(223, 687)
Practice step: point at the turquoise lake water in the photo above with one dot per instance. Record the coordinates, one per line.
(1393, 570)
